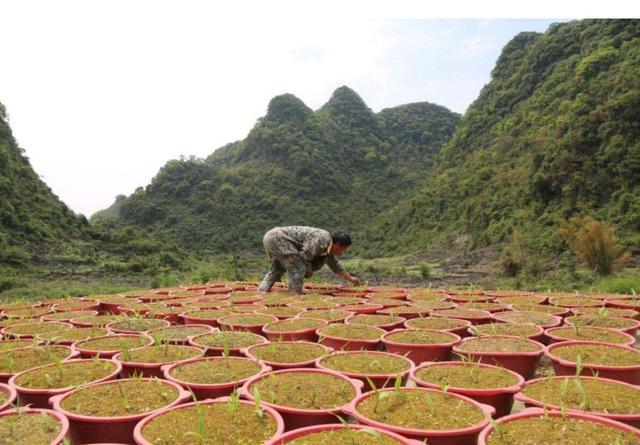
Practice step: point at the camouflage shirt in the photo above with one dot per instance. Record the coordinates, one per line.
(311, 244)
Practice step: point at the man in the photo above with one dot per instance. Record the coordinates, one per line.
(301, 250)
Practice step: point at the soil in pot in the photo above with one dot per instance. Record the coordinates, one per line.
(66, 316)
(113, 343)
(606, 312)
(177, 334)
(211, 423)
(351, 332)
(597, 354)
(288, 352)
(66, 374)
(585, 394)
(366, 363)
(537, 318)
(137, 324)
(315, 305)
(559, 430)
(165, 353)
(420, 409)
(29, 428)
(331, 315)
(436, 323)
(10, 345)
(344, 436)
(485, 306)
(18, 360)
(467, 375)
(467, 314)
(35, 328)
(304, 390)
(280, 311)
(120, 398)
(602, 322)
(245, 321)
(406, 311)
(546, 309)
(512, 329)
(498, 344)
(95, 320)
(293, 325)
(420, 337)
(387, 302)
(228, 339)
(426, 297)
(377, 320)
(215, 370)
(586, 333)
(72, 335)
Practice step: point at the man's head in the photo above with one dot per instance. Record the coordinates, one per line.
(341, 242)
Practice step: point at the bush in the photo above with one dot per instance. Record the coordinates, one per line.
(621, 284)
(425, 271)
(594, 243)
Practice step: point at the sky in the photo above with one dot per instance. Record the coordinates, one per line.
(102, 94)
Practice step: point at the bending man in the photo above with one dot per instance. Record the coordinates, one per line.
(301, 250)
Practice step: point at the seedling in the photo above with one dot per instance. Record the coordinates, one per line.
(201, 425)
(126, 402)
(496, 427)
(234, 402)
(579, 365)
(257, 409)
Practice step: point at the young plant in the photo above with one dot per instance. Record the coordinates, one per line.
(257, 400)
(234, 403)
(201, 425)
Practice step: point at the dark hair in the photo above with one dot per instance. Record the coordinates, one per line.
(341, 237)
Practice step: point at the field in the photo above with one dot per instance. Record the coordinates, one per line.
(220, 363)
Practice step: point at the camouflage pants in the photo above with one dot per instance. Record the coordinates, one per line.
(292, 264)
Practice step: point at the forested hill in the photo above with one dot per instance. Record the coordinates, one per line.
(555, 133)
(29, 211)
(337, 167)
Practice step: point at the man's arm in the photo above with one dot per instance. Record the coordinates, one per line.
(337, 268)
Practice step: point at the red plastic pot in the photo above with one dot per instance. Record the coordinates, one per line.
(629, 419)
(632, 330)
(88, 353)
(213, 351)
(213, 390)
(420, 353)
(86, 429)
(628, 374)
(226, 324)
(138, 431)
(129, 369)
(62, 420)
(500, 398)
(379, 380)
(549, 333)
(10, 394)
(276, 366)
(298, 418)
(523, 363)
(348, 344)
(537, 412)
(285, 438)
(73, 353)
(633, 304)
(308, 334)
(152, 332)
(39, 398)
(191, 317)
(460, 436)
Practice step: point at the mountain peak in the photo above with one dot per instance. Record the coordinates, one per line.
(286, 108)
(346, 107)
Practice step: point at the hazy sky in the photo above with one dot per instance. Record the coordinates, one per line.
(101, 95)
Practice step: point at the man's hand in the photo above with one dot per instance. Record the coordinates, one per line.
(350, 278)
